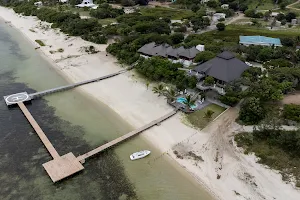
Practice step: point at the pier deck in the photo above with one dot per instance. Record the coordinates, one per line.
(61, 166)
(39, 131)
(124, 137)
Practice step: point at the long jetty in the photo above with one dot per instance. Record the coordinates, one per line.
(39, 131)
(61, 167)
(71, 86)
(124, 137)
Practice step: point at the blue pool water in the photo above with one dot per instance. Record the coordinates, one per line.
(182, 100)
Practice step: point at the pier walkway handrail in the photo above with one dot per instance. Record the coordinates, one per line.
(82, 158)
(71, 86)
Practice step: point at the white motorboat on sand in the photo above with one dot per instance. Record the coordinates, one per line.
(140, 154)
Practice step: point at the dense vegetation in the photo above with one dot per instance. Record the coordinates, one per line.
(68, 22)
(106, 11)
(291, 112)
(278, 149)
(162, 70)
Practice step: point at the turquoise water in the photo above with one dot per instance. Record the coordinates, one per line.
(183, 100)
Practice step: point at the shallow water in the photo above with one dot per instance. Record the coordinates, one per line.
(73, 123)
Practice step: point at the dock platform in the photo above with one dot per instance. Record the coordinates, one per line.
(61, 166)
(64, 166)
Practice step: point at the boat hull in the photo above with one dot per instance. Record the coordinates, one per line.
(139, 155)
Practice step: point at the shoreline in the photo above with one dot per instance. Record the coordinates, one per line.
(71, 79)
(128, 97)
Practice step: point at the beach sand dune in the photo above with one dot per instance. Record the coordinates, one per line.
(222, 168)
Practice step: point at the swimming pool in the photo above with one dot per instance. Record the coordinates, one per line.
(183, 100)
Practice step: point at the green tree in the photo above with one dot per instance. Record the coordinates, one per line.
(204, 56)
(209, 80)
(291, 112)
(290, 16)
(252, 111)
(177, 38)
(195, 7)
(265, 90)
(265, 54)
(200, 22)
(283, 5)
(208, 114)
(171, 94)
(160, 89)
(267, 15)
(221, 26)
(212, 4)
(189, 102)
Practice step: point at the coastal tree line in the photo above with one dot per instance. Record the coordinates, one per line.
(67, 21)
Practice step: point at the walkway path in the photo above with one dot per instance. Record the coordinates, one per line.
(125, 137)
(39, 131)
(291, 5)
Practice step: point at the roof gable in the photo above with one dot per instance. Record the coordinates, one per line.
(224, 67)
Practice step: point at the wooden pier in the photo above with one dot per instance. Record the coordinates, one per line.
(71, 86)
(61, 166)
(125, 137)
(39, 131)
(64, 166)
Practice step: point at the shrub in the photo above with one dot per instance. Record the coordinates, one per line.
(177, 38)
(251, 111)
(221, 26)
(291, 112)
(127, 3)
(209, 80)
(40, 42)
(204, 56)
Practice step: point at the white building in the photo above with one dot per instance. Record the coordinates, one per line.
(218, 16)
(39, 3)
(63, 1)
(274, 14)
(204, 1)
(225, 6)
(87, 3)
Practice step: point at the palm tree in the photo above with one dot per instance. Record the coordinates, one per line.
(160, 89)
(171, 94)
(189, 101)
(208, 114)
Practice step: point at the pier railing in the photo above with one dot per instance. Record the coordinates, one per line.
(125, 137)
(71, 86)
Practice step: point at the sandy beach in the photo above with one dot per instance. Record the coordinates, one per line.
(224, 170)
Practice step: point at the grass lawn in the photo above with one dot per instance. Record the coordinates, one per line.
(107, 21)
(175, 14)
(264, 5)
(197, 118)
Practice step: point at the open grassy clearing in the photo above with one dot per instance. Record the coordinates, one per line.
(175, 14)
(198, 119)
(265, 4)
(107, 21)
